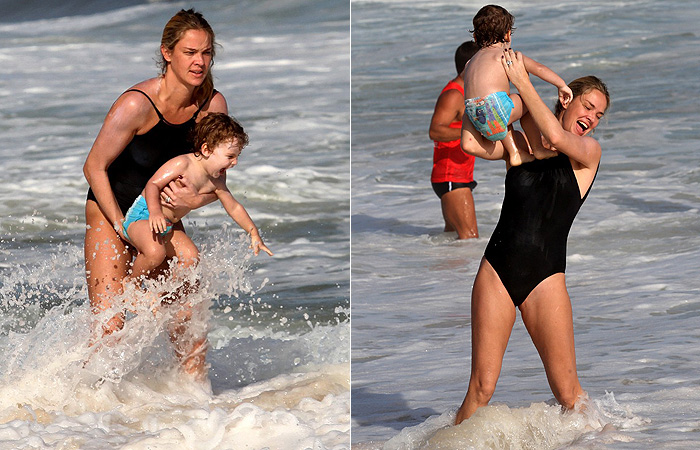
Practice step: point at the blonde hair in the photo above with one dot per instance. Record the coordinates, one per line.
(582, 86)
(174, 30)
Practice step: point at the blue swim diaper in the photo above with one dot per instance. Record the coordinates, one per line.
(490, 114)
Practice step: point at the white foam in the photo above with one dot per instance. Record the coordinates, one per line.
(540, 426)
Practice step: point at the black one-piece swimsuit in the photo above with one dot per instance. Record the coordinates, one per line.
(136, 164)
(541, 200)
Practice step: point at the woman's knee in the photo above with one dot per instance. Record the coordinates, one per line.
(482, 388)
(567, 396)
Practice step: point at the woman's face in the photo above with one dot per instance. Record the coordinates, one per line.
(191, 58)
(584, 112)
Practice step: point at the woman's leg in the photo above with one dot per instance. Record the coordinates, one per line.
(492, 319)
(548, 318)
(107, 261)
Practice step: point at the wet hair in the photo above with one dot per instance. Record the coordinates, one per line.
(491, 25)
(464, 53)
(216, 128)
(582, 86)
(174, 30)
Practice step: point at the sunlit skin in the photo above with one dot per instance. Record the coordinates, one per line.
(457, 205)
(546, 312)
(584, 114)
(107, 255)
(190, 59)
(205, 171)
(483, 75)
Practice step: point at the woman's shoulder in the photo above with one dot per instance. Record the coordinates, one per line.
(139, 96)
(148, 86)
(217, 104)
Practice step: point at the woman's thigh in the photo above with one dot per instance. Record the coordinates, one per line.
(492, 319)
(107, 258)
(548, 318)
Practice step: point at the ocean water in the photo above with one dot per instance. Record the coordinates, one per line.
(633, 250)
(278, 326)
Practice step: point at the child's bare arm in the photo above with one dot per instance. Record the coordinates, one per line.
(546, 74)
(168, 172)
(241, 217)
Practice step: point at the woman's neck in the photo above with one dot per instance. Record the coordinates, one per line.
(172, 92)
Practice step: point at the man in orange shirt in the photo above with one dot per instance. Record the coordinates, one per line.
(453, 170)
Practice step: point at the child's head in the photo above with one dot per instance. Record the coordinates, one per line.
(217, 128)
(491, 25)
(463, 54)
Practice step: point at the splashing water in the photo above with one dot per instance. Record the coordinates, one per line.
(60, 385)
(540, 426)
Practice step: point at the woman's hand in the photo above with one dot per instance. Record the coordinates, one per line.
(514, 65)
(119, 229)
(180, 194)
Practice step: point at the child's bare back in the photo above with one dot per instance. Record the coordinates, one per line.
(476, 82)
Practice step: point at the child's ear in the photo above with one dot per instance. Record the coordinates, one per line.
(204, 150)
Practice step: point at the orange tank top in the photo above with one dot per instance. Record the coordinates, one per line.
(450, 163)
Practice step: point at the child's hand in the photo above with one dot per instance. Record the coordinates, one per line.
(158, 223)
(257, 244)
(565, 95)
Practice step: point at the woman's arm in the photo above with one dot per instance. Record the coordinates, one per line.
(168, 172)
(218, 104)
(123, 121)
(582, 149)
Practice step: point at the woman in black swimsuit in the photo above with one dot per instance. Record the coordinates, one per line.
(524, 262)
(146, 126)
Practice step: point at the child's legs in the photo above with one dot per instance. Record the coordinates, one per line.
(519, 109)
(518, 152)
(516, 155)
(474, 143)
(534, 138)
(150, 246)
